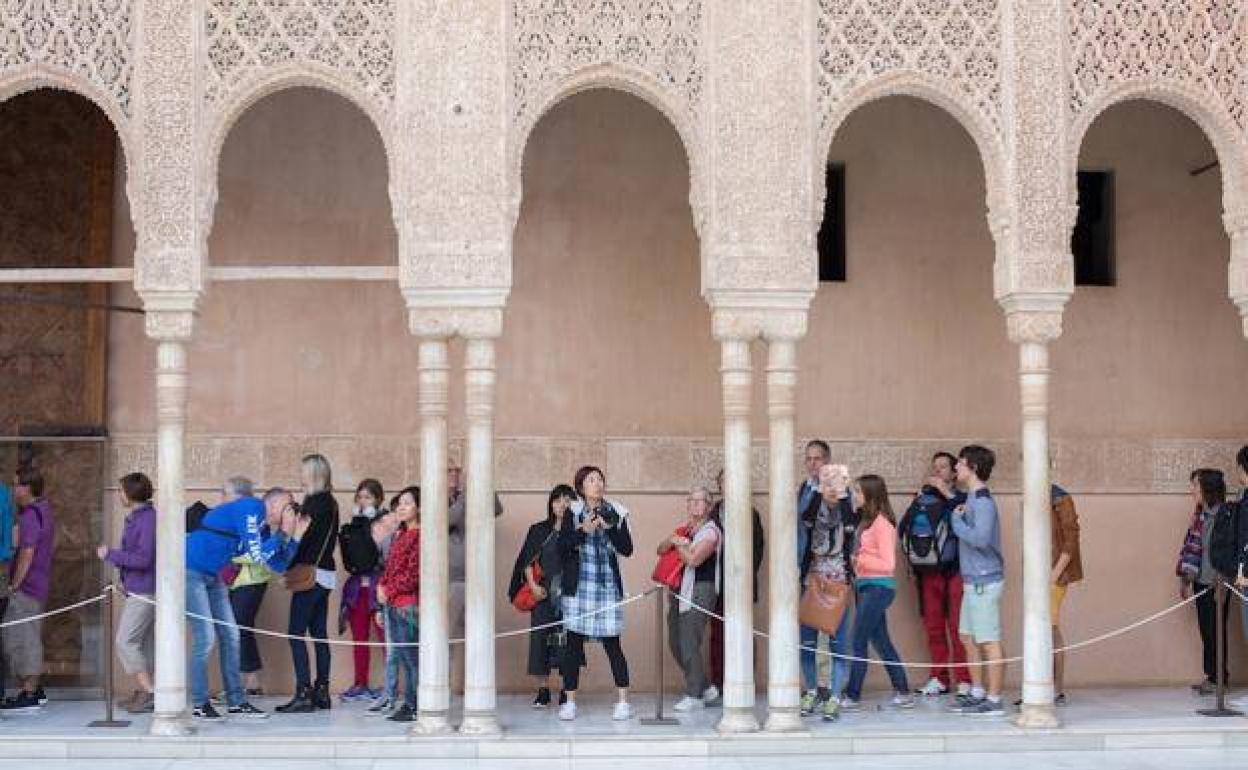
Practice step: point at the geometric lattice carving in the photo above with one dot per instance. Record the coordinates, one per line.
(86, 38)
(955, 41)
(555, 38)
(1198, 42)
(354, 37)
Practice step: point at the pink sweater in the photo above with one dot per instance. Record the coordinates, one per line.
(877, 550)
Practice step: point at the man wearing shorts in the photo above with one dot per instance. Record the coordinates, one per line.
(978, 527)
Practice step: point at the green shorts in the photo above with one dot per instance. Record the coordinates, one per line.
(981, 612)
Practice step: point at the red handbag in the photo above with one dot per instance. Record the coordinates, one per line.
(670, 570)
(524, 599)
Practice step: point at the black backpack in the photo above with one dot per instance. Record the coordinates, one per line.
(360, 554)
(926, 535)
(195, 521)
(1223, 540)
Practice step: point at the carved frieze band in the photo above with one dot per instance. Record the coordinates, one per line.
(667, 465)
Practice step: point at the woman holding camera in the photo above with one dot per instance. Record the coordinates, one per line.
(309, 599)
(592, 536)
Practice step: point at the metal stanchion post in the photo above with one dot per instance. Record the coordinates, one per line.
(1219, 707)
(106, 607)
(659, 655)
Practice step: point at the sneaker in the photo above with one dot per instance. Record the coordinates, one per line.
(986, 708)
(254, 692)
(247, 711)
(902, 700)
(41, 696)
(831, 710)
(965, 704)
(354, 693)
(848, 704)
(685, 704)
(710, 696)
(373, 693)
(964, 689)
(567, 712)
(207, 712)
(543, 698)
(404, 713)
(142, 703)
(1206, 687)
(22, 703)
(810, 699)
(380, 708)
(622, 711)
(932, 689)
(563, 697)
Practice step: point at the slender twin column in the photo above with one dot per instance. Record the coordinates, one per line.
(479, 657)
(434, 694)
(736, 376)
(171, 717)
(1033, 332)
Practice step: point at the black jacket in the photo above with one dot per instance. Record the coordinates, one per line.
(571, 539)
(532, 547)
(760, 542)
(323, 509)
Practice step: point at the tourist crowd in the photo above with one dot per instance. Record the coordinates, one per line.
(852, 551)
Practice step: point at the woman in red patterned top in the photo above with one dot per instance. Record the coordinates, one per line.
(399, 594)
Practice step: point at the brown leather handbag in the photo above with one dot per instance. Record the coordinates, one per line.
(302, 577)
(823, 603)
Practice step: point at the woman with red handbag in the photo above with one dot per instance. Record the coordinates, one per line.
(697, 546)
(535, 588)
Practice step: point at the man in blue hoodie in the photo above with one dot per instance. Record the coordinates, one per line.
(268, 531)
(978, 527)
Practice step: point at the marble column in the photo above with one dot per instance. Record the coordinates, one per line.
(434, 692)
(783, 687)
(1032, 332)
(479, 653)
(738, 695)
(1237, 272)
(172, 332)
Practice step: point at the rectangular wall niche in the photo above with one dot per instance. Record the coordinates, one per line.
(832, 230)
(1092, 242)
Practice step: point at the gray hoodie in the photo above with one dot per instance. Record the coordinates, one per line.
(978, 529)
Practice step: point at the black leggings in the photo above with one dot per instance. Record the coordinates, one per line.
(309, 611)
(574, 657)
(1206, 618)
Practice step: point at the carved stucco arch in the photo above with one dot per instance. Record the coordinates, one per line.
(634, 83)
(222, 118)
(34, 77)
(1198, 105)
(939, 93)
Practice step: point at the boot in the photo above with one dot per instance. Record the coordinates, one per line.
(300, 704)
(320, 696)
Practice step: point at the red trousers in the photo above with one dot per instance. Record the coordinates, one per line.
(940, 602)
(361, 628)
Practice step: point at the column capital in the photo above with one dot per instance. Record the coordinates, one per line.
(1034, 318)
(472, 314)
(751, 315)
(169, 316)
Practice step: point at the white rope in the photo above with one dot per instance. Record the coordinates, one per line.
(1015, 659)
(1231, 587)
(349, 643)
(60, 610)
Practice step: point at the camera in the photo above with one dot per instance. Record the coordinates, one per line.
(609, 515)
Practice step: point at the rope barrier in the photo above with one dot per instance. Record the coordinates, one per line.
(1231, 587)
(60, 610)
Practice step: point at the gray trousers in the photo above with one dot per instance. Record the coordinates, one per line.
(685, 631)
(134, 638)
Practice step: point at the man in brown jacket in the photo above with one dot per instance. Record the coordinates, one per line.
(1067, 569)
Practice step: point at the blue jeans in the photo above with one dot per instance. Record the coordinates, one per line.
(206, 595)
(391, 686)
(309, 611)
(871, 625)
(836, 643)
(405, 623)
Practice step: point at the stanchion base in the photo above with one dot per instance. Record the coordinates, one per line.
(1216, 712)
(648, 721)
(109, 723)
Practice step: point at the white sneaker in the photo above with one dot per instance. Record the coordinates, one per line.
(686, 703)
(710, 695)
(933, 688)
(567, 712)
(1238, 703)
(622, 712)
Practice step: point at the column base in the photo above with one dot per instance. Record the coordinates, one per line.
(737, 720)
(432, 723)
(482, 723)
(784, 720)
(171, 726)
(1038, 717)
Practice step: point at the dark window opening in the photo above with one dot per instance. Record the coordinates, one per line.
(832, 230)
(1092, 242)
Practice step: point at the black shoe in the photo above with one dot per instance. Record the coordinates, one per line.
(207, 712)
(543, 698)
(320, 696)
(21, 703)
(41, 696)
(300, 704)
(563, 697)
(404, 713)
(247, 710)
